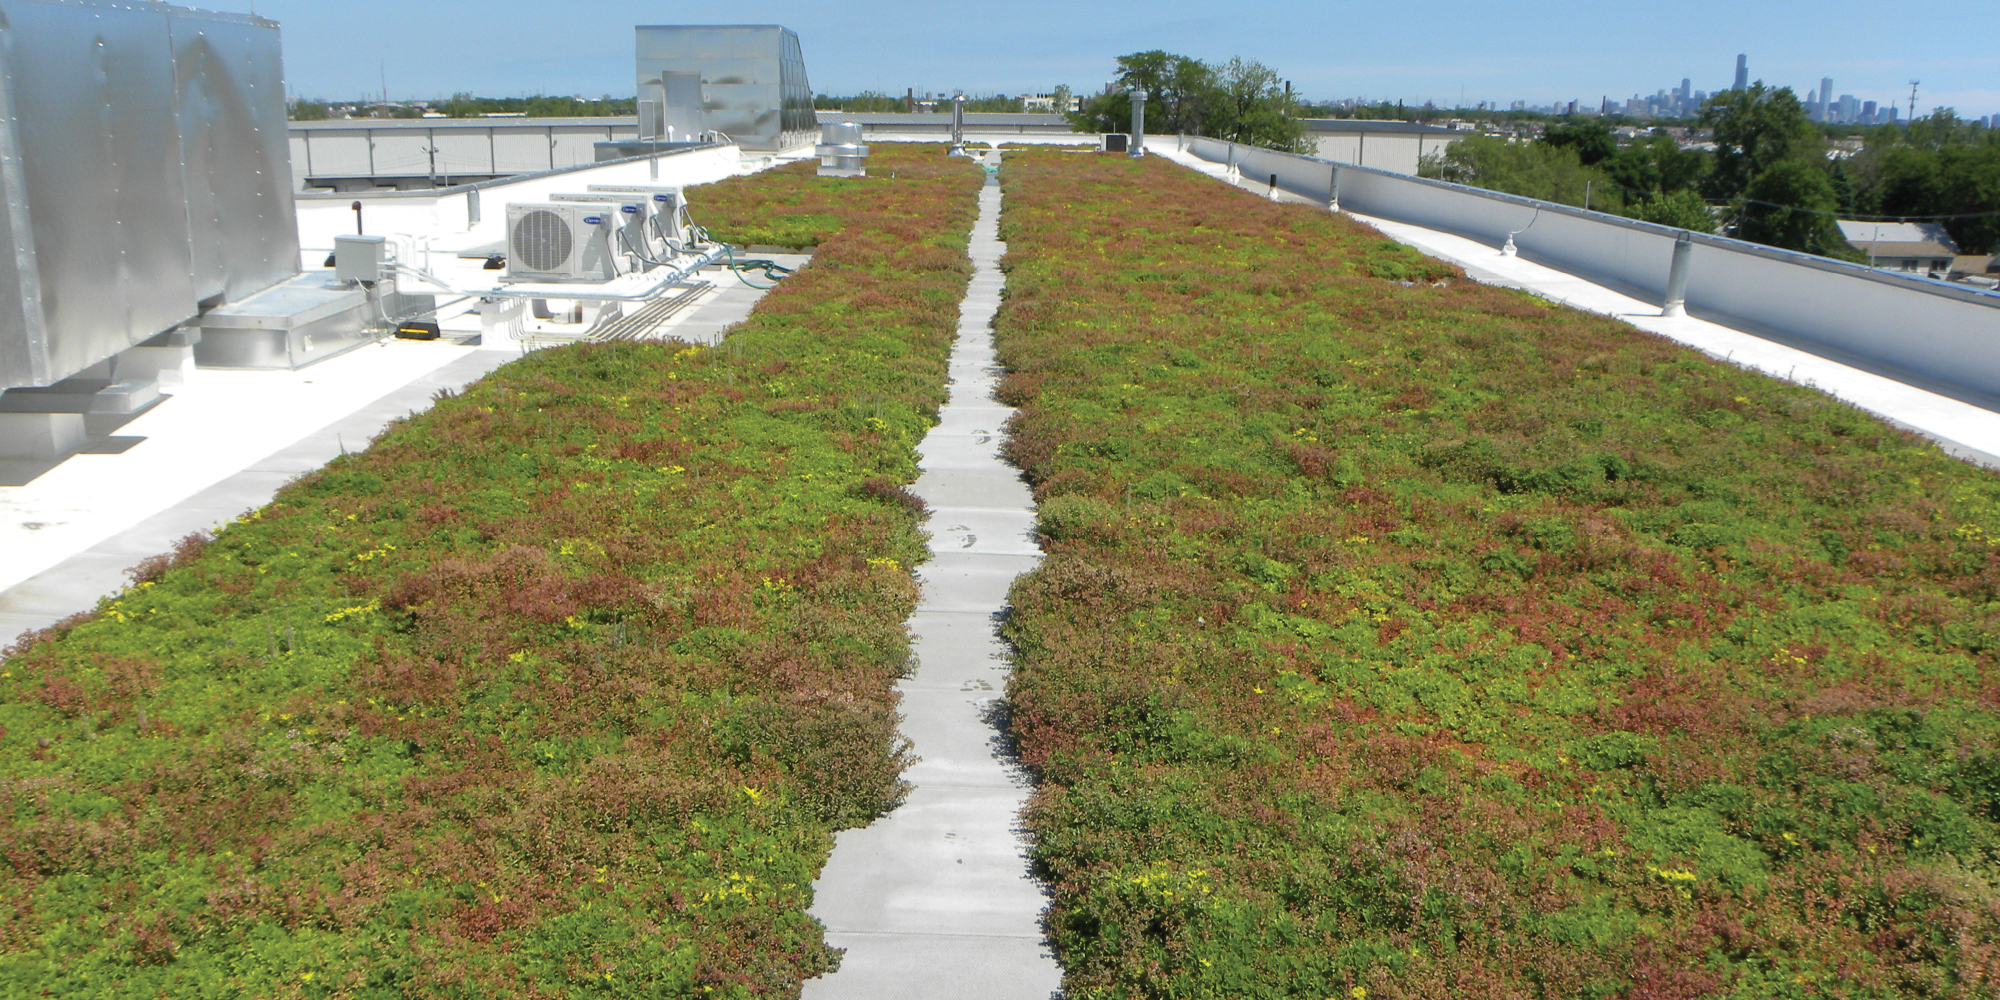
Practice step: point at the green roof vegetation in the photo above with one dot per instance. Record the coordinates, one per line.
(1405, 637)
(558, 689)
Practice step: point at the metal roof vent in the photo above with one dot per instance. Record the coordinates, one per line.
(840, 151)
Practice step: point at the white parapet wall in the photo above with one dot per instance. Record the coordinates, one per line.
(365, 153)
(451, 220)
(1939, 332)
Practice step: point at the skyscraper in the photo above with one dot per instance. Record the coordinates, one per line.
(1742, 71)
(1825, 98)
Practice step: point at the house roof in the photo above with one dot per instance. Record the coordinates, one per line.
(1876, 237)
(1898, 248)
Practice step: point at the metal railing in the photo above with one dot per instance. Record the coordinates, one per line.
(1937, 332)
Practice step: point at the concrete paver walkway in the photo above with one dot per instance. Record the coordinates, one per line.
(934, 901)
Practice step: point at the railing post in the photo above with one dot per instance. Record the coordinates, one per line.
(1333, 191)
(1677, 276)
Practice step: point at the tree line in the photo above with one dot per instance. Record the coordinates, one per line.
(1241, 100)
(468, 106)
(1772, 178)
(875, 101)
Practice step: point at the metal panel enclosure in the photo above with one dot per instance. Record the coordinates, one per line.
(234, 144)
(753, 81)
(152, 174)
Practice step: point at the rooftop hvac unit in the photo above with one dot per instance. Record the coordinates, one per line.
(630, 216)
(561, 242)
(670, 219)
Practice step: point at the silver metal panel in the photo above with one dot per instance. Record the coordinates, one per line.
(281, 349)
(402, 153)
(301, 153)
(753, 80)
(95, 119)
(461, 153)
(23, 332)
(150, 172)
(340, 153)
(683, 106)
(572, 146)
(521, 152)
(230, 92)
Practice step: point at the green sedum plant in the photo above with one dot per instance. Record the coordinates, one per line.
(558, 689)
(1400, 636)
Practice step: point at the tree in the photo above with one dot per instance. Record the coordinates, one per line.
(1792, 205)
(1938, 130)
(1682, 209)
(1241, 100)
(864, 102)
(1754, 128)
(1939, 169)
(996, 104)
(1969, 190)
(311, 111)
(1592, 142)
(1530, 169)
(1060, 98)
(1179, 92)
(1654, 167)
(1255, 109)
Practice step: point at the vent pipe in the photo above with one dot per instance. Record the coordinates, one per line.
(1137, 147)
(840, 151)
(958, 124)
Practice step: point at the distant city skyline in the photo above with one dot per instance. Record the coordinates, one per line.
(1539, 51)
(1683, 101)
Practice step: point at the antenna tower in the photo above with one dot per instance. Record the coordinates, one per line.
(1913, 99)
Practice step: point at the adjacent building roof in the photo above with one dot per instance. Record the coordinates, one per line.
(1926, 249)
(419, 124)
(1371, 125)
(1899, 239)
(942, 116)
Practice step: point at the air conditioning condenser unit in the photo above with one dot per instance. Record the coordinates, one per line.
(553, 242)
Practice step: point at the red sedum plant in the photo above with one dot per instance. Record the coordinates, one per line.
(1405, 637)
(558, 690)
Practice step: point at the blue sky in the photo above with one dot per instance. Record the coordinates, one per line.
(1537, 50)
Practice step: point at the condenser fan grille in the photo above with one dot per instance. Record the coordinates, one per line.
(542, 241)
